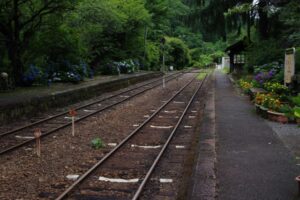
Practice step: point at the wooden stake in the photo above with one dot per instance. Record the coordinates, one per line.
(73, 113)
(73, 126)
(37, 135)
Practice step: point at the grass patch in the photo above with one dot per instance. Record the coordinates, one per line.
(201, 76)
(225, 70)
(97, 143)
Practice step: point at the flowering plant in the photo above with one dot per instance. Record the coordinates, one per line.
(269, 101)
(267, 67)
(32, 75)
(245, 85)
(262, 77)
(276, 88)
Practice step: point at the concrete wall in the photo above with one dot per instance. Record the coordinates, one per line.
(47, 102)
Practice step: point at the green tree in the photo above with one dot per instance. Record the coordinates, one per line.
(110, 30)
(178, 53)
(19, 22)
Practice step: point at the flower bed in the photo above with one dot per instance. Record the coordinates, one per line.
(272, 99)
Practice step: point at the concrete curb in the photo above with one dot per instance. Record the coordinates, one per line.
(204, 180)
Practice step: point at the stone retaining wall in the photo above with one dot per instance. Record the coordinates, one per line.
(60, 99)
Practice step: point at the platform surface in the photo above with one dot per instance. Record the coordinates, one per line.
(252, 162)
(25, 94)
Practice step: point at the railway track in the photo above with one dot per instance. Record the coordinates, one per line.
(21, 136)
(124, 172)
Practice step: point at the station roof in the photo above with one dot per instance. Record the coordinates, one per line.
(238, 46)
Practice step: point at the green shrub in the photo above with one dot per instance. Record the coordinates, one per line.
(297, 112)
(265, 51)
(152, 56)
(296, 100)
(177, 53)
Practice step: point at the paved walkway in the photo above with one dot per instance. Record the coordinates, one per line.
(252, 162)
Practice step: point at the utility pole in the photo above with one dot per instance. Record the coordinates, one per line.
(163, 42)
(145, 43)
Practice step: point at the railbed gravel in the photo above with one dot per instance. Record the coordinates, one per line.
(26, 176)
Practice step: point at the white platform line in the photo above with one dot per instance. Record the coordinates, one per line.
(112, 144)
(146, 147)
(89, 110)
(178, 102)
(165, 180)
(24, 137)
(161, 127)
(170, 111)
(118, 180)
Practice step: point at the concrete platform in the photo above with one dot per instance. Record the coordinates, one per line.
(241, 157)
(25, 102)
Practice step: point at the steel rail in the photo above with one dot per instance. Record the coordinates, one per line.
(7, 150)
(80, 107)
(114, 150)
(149, 173)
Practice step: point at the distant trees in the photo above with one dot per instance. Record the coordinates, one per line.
(271, 25)
(58, 36)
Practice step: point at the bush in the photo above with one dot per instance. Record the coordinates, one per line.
(177, 53)
(110, 69)
(32, 75)
(245, 85)
(127, 66)
(276, 88)
(265, 51)
(152, 56)
(273, 72)
(296, 100)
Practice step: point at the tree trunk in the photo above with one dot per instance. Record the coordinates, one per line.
(16, 63)
(249, 26)
(14, 46)
(263, 24)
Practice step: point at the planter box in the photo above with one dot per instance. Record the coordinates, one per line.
(277, 117)
(262, 111)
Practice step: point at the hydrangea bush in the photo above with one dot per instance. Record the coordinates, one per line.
(62, 71)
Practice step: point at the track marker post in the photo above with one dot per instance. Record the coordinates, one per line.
(37, 135)
(73, 113)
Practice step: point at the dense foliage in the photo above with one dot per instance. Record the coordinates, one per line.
(70, 40)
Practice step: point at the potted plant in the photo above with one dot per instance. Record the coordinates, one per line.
(260, 104)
